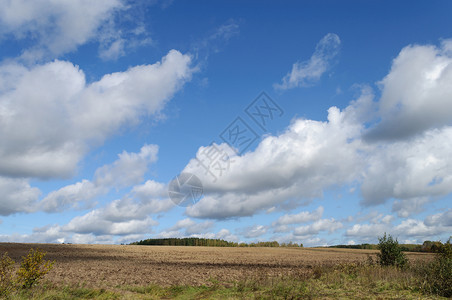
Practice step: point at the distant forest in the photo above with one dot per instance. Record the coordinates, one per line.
(209, 243)
(427, 246)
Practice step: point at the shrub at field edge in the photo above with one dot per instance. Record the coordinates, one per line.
(390, 252)
(32, 268)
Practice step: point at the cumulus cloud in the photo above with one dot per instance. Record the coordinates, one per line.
(225, 234)
(190, 227)
(410, 170)
(126, 213)
(128, 217)
(440, 219)
(408, 207)
(411, 227)
(310, 71)
(128, 170)
(71, 196)
(409, 161)
(416, 94)
(431, 227)
(253, 231)
(367, 230)
(153, 195)
(95, 227)
(373, 217)
(17, 196)
(290, 169)
(302, 217)
(329, 225)
(97, 222)
(55, 27)
(50, 115)
(293, 167)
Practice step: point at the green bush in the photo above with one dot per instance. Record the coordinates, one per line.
(390, 252)
(33, 268)
(445, 250)
(437, 275)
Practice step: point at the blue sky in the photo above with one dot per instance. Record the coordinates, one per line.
(102, 105)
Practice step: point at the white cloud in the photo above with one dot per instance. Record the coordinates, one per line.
(96, 223)
(50, 116)
(387, 219)
(289, 169)
(281, 228)
(408, 207)
(143, 200)
(432, 227)
(89, 239)
(225, 234)
(126, 208)
(306, 241)
(150, 189)
(368, 230)
(114, 50)
(127, 170)
(329, 225)
(120, 217)
(56, 27)
(253, 231)
(189, 228)
(410, 170)
(418, 228)
(17, 196)
(440, 219)
(416, 94)
(154, 196)
(310, 71)
(124, 217)
(71, 196)
(302, 217)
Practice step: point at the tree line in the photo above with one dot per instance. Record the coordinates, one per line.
(210, 243)
(427, 246)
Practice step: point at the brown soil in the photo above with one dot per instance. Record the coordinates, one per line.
(113, 265)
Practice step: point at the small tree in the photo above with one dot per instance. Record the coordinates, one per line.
(436, 276)
(33, 268)
(390, 252)
(445, 250)
(440, 279)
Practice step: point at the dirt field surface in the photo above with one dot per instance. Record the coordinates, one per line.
(113, 265)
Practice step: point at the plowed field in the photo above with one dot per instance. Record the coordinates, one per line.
(114, 265)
